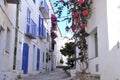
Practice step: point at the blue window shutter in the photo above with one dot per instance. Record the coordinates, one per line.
(38, 59)
(28, 28)
(39, 28)
(42, 27)
(43, 31)
(33, 28)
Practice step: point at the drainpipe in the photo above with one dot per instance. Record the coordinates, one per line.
(16, 36)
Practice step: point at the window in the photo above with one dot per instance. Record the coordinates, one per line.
(41, 28)
(96, 45)
(43, 57)
(8, 41)
(53, 46)
(97, 67)
(93, 44)
(47, 57)
(28, 20)
(30, 26)
(33, 28)
(1, 37)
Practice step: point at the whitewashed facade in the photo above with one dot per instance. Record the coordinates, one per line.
(7, 37)
(41, 40)
(103, 41)
(32, 19)
(58, 47)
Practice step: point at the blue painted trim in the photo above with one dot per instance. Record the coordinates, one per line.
(38, 60)
(25, 58)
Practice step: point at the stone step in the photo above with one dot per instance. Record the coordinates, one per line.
(85, 76)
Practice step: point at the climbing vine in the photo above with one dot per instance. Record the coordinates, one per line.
(80, 11)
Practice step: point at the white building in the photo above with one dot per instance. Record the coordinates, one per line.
(103, 41)
(7, 36)
(25, 37)
(58, 47)
(34, 37)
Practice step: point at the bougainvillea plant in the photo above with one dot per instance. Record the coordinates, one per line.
(53, 28)
(80, 11)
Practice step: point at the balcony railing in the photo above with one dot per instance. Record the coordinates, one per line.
(44, 8)
(31, 29)
(13, 1)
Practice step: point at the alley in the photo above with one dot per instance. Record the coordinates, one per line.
(54, 75)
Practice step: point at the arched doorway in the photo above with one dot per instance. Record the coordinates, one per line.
(25, 58)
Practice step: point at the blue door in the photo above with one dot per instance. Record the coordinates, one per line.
(38, 59)
(25, 58)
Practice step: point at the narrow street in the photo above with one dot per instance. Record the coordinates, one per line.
(54, 75)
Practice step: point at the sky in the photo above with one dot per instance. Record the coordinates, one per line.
(62, 25)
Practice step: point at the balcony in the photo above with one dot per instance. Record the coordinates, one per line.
(13, 1)
(44, 9)
(31, 29)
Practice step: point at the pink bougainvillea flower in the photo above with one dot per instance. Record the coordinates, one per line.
(77, 19)
(61, 0)
(73, 27)
(85, 12)
(80, 2)
(84, 25)
(75, 14)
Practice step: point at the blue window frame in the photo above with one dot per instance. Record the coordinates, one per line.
(25, 57)
(40, 25)
(38, 60)
(41, 28)
(30, 26)
(33, 28)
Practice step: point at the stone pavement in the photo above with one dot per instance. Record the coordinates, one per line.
(53, 75)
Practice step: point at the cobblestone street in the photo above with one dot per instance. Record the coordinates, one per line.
(54, 75)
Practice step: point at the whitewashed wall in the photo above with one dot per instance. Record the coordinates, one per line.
(111, 67)
(58, 47)
(8, 20)
(105, 19)
(42, 44)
